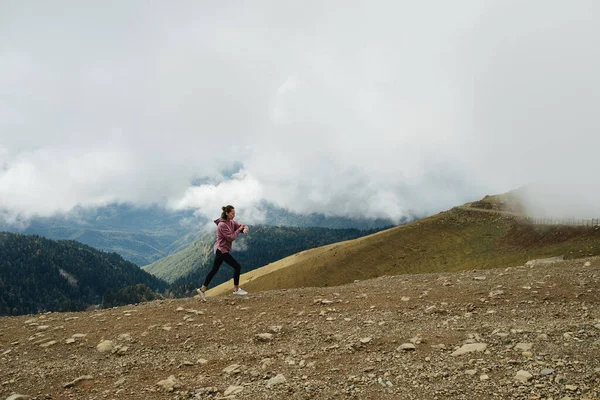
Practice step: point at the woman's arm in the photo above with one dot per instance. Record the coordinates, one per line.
(225, 231)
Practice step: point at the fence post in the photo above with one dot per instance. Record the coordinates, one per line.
(566, 222)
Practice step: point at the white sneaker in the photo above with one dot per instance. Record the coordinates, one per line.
(202, 294)
(240, 292)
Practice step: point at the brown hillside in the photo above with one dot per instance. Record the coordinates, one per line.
(537, 329)
(468, 237)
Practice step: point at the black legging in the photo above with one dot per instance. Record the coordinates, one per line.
(228, 258)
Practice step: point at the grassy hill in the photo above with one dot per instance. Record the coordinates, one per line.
(485, 234)
(263, 245)
(185, 261)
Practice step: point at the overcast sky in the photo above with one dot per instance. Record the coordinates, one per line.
(354, 108)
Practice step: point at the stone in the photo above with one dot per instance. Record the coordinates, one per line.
(523, 376)
(416, 340)
(406, 347)
(69, 341)
(105, 346)
(524, 346)
(279, 379)
(79, 336)
(266, 363)
(124, 337)
(202, 361)
(470, 348)
(366, 340)
(571, 388)
(484, 377)
(550, 260)
(546, 371)
(207, 390)
(19, 397)
(233, 390)
(48, 344)
(264, 337)
(77, 380)
(232, 369)
(470, 372)
(479, 278)
(169, 384)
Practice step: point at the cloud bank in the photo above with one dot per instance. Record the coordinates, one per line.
(360, 109)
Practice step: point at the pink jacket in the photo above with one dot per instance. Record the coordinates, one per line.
(227, 231)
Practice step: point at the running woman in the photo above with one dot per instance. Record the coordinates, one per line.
(227, 232)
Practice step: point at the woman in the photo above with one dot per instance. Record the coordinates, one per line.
(227, 231)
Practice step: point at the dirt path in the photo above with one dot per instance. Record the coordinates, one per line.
(468, 207)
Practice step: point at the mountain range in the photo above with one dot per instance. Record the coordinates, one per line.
(38, 274)
(143, 235)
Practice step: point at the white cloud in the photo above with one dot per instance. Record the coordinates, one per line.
(242, 191)
(279, 112)
(377, 109)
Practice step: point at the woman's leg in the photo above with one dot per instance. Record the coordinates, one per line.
(216, 265)
(228, 258)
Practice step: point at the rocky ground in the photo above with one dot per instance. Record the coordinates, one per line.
(529, 332)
